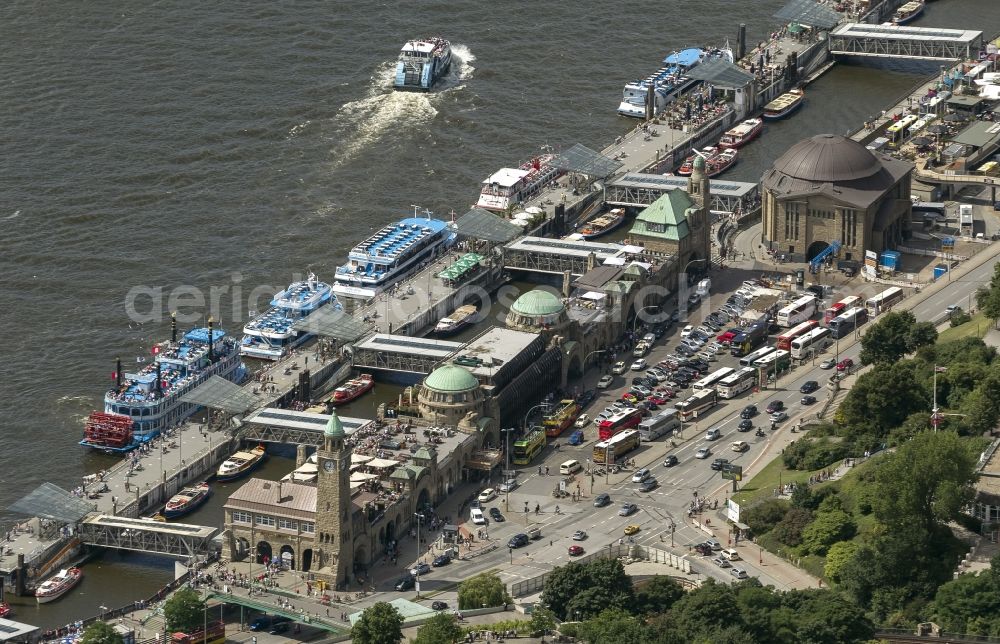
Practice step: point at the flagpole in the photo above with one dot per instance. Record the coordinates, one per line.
(934, 407)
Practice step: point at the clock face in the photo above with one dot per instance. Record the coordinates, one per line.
(329, 466)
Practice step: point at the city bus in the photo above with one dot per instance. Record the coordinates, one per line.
(664, 423)
(753, 357)
(214, 634)
(527, 448)
(897, 131)
(883, 301)
(784, 342)
(797, 312)
(625, 419)
(617, 446)
(700, 402)
(775, 362)
(839, 307)
(561, 418)
(748, 340)
(711, 379)
(737, 383)
(846, 322)
(805, 346)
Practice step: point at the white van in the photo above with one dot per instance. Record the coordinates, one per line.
(730, 554)
(477, 517)
(570, 467)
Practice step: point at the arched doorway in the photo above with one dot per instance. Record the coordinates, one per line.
(242, 548)
(264, 552)
(390, 532)
(423, 500)
(287, 557)
(360, 555)
(815, 249)
(307, 559)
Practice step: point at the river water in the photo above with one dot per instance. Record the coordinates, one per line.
(175, 147)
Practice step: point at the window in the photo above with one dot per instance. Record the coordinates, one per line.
(265, 520)
(308, 527)
(241, 517)
(285, 524)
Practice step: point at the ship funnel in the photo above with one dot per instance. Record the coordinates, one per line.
(118, 372)
(173, 327)
(159, 377)
(211, 338)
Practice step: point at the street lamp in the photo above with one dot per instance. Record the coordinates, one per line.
(587, 357)
(524, 423)
(506, 444)
(682, 302)
(638, 315)
(419, 517)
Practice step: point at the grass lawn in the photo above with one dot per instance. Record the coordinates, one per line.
(762, 485)
(977, 326)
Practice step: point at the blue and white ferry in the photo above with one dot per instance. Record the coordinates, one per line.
(272, 334)
(421, 64)
(668, 82)
(390, 255)
(144, 403)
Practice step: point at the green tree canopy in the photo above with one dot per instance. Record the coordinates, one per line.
(921, 334)
(827, 529)
(988, 297)
(614, 626)
(708, 608)
(184, 612)
(657, 595)
(605, 578)
(888, 339)
(380, 623)
(542, 620)
(789, 529)
(440, 629)
(485, 589)
(101, 633)
(838, 555)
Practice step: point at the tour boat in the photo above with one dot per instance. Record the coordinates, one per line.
(742, 134)
(908, 12)
(457, 320)
(272, 334)
(784, 105)
(509, 186)
(603, 224)
(688, 166)
(422, 63)
(668, 82)
(353, 388)
(187, 500)
(240, 464)
(57, 586)
(721, 162)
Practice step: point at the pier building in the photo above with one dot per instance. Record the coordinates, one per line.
(828, 189)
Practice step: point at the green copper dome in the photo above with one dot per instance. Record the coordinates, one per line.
(699, 162)
(451, 378)
(537, 302)
(334, 428)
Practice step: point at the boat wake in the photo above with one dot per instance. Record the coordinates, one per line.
(363, 122)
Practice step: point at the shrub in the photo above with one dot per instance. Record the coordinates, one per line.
(762, 518)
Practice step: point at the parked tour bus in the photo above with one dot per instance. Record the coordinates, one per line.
(884, 301)
(625, 419)
(806, 345)
(709, 381)
(697, 404)
(662, 424)
(839, 307)
(784, 342)
(797, 312)
(753, 357)
(737, 383)
(615, 447)
(845, 323)
(775, 363)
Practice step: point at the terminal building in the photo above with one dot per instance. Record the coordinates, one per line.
(830, 188)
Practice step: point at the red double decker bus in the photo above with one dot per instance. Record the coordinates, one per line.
(624, 419)
(785, 339)
(839, 307)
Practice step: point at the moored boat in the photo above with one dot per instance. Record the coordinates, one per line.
(509, 186)
(721, 162)
(352, 389)
(272, 334)
(58, 585)
(668, 82)
(603, 224)
(688, 166)
(908, 12)
(422, 63)
(784, 105)
(4, 609)
(240, 464)
(459, 319)
(187, 500)
(737, 137)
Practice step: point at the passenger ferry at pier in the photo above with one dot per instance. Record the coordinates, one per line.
(144, 403)
(57, 586)
(784, 105)
(742, 134)
(603, 224)
(908, 12)
(422, 63)
(390, 255)
(271, 335)
(668, 82)
(352, 389)
(721, 162)
(240, 464)
(508, 186)
(459, 319)
(187, 501)
(688, 166)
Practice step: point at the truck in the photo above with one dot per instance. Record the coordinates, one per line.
(704, 287)
(965, 219)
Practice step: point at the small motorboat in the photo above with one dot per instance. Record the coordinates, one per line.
(352, 389)
(240, 464)
(187, 500)
(457, 320)
(784, 105)
(57, 586)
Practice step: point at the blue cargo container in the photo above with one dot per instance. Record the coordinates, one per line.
(940, 270)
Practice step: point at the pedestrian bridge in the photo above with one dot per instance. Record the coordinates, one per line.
(147, 535)
(401, 353)
(287, 426)
(266, 604)
(639, 190)
(907, 43)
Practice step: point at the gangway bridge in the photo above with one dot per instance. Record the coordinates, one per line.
(401, 353)
(638, 189)
(907, 43)
(273, 425)
(147, 535)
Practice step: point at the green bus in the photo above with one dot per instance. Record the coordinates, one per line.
(527, 448)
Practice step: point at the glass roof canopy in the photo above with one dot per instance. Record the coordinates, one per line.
(583, 160)
(808, 12)
(219, 393)
(50, 501)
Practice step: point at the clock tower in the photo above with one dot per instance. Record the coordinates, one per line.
(334, 538)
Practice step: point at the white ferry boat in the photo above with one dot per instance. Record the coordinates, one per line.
(58, 585)
(668, 82)
(145, 402)
(509, 186)
(422, 63)
(390, 255)
(908, 12)
(271, 335)
(741, 134)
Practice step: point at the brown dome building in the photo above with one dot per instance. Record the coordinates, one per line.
(831, 188)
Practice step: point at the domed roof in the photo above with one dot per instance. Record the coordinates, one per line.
(334, 428)
(451, 378)
(537, 302)
(828, 158)
(699, 162)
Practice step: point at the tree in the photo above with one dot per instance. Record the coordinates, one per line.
(708, 608)
(614, 626)
(762, 518)
(605, 578)
(881, 400)
(826, 529)
(380, 623)
(886, 340)
(921, 334)
(485, 589)
(591, 601)
(988, 297)
(828, 618)
(657, 595)
(542, 620)
(101, 633)
(838, 555)
(184, 612)
(789, 530)
(440, 629)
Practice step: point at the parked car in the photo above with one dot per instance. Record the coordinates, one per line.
(808, 387)
(439, 605)
(703, 549)
(602, 500)
(441, 560)
(739, 573)
(605, 381)
(619, 368)
(487, 495)
(845, 365)
(576, 438)
(582, 420)
(686, 331)
(639, 365)
(496, 515)
(721, 563)
(420, 569)
(713, 544)
(477, 516)
(406, 583)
